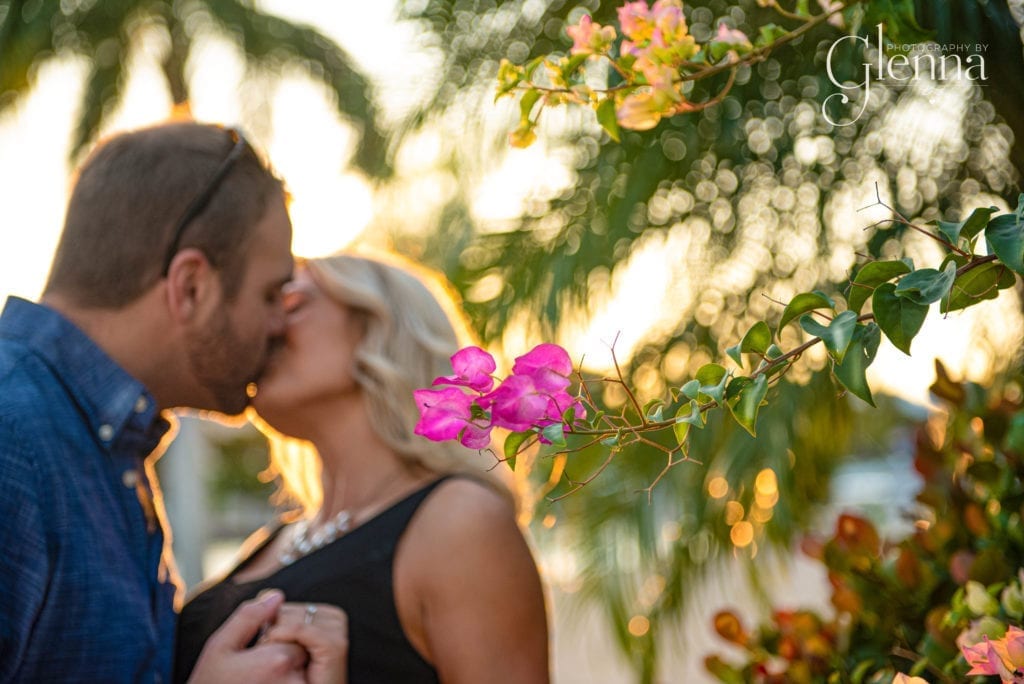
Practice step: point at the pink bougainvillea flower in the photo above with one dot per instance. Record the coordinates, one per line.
(1014, 640)
(1010, 649)
(628, 47)
(669, 23)
(447, 414)
(476, 436)
(590, 38)
(473, 367)
(517, 404)
(731, 36)
(558, 404)
(635, 21)
(548, 365)
(978, 655)
(984, 659)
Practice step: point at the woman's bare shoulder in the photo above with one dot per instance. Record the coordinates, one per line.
(465, 502)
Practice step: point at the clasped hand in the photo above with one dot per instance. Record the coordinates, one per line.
(296, 643)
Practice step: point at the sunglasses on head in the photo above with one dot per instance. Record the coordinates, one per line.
(202, 200)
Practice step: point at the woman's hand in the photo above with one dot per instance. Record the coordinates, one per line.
(227, 658)
(319, 628)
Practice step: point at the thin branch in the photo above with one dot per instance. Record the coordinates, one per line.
(629, 392)
(901, 652)
(688, 107)
(900, 218)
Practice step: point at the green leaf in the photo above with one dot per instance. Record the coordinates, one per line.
(898, 317)
(870, 276)
(757, 340)
(927, 285)
(512, 444)
(745, 408)
(1005, 237)
(606, 117)
(735, 386)
(836, 335)
(690, 414)
(920, 665)
(555, 434)
(712, 379)
(733, 353)
(857, 676)
(532, 65)
(852, 372)
(572, 64)
(691, 389)
(684, 417)
(977, 285)
(768, 34)
(654, 410)
(900, 22)
(968, 228)
(804, 302)
(530, 98)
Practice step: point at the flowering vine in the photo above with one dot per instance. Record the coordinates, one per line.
(942, 604)
(644, 68)
(535, 403)
(642, 72)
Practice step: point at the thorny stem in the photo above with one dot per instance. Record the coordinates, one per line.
(625, 386)
(789, 15)
(686, 107)
(900, 218)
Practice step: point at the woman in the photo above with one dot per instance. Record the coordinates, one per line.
(415, 540)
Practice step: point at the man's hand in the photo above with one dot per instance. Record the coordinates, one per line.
(322, 630)
(227, 658)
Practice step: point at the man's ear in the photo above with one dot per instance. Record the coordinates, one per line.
(191, 282)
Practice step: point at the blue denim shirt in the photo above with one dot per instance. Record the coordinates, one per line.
(86, 592)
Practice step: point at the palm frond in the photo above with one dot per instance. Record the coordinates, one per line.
(103, 88)
(275, 42)
(25, 39)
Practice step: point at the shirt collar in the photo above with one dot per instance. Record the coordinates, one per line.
(120, 411)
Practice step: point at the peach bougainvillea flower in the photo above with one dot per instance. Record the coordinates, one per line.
(590, 38)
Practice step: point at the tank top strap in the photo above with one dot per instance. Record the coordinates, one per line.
(393, 521)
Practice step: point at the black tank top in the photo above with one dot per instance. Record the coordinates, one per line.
(354, 572)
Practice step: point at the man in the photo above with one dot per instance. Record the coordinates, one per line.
(165, 291)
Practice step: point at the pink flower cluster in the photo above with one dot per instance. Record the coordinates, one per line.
(1003, 657)
(469, 406)
(656, 45)
(590, 38)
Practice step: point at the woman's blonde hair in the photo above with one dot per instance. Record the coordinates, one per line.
(412, 326)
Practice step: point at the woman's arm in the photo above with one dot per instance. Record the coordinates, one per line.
(479, 611)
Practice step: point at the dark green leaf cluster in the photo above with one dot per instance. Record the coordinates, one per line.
(107, 33)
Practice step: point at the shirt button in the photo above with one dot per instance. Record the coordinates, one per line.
(106, 432)
(141, 405)
(130, 478)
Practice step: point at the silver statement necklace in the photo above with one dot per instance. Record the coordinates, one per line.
(302, 543)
